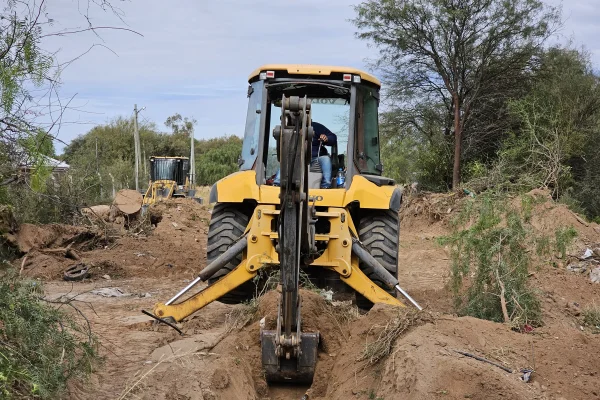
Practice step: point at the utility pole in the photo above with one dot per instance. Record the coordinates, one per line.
(136, 142)
(145, 162)
(192, 165)
(98, 170)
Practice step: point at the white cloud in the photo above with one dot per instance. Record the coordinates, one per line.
(195, 56)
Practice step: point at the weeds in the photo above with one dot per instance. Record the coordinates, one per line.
(591, 318)
(41, 346)
(564, 238)
(381, 347)
(490, 263)
(241, 315)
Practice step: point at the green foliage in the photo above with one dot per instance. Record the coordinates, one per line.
(463, 57)
(21, 58)
(556, 128)
(409, 157)
(591, 318)
(564, 237)
(216, 158)
(42, 347)
(180, 125)
(490, 261)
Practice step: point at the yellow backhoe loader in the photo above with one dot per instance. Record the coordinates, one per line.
(169, 177)
(344, 237)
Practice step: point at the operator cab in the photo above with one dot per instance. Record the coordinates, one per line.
(343, 99)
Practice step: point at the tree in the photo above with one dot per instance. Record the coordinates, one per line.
(455, 53)
(31, 109)
(180, 125)
(558, 129)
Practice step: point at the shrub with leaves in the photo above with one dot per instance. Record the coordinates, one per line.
(591, 318)
(41, 347)
(490, 263)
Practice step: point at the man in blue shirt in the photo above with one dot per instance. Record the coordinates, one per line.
(322, 137)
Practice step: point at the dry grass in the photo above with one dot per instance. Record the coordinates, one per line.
(591, 318)
(138, 382)
(246, 312)
(382, 346)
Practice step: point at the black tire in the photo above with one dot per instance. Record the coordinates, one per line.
(227, 224)
(379, 231)
(76, 272)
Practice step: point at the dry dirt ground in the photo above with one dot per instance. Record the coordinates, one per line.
(218, 357)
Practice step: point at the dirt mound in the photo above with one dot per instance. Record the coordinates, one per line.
(219, 356)
(547, 216)
(423, 361)
(35, 237)
(175, 246)
(428, 208)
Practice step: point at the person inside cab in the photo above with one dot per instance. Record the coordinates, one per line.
(322, 137)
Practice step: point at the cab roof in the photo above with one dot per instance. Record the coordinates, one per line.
(308, 69)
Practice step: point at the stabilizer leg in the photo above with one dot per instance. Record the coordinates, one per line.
(229, 282)
(358, 281)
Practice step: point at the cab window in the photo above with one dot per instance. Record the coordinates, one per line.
(252, 132)
(366, 154)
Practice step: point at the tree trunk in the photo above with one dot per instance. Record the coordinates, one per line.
(457, 143)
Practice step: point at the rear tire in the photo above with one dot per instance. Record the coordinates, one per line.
(227, 224)
(379, 231)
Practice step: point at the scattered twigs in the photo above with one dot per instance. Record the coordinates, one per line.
(485, 361)
(23, 264)
(67, 251)
(503, 299)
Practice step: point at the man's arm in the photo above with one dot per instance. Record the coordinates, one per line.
(322, 130)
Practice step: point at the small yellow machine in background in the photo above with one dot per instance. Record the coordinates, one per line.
(169, 177)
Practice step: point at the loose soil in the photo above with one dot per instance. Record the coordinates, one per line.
(218, 357)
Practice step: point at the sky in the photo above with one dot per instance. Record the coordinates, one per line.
(194, 57)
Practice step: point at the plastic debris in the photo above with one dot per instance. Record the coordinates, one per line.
(526, 377)
(579, 267)
(110, 292)
(588, 253)
(327, 294)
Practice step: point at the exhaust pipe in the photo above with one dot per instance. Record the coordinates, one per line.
(383, 274)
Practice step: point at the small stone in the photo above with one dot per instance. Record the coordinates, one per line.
(107, 277)
(544, 388)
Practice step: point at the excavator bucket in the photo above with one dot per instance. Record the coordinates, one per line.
(281, 369)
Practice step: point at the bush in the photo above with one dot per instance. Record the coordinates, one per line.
(42, 347)
(591, 318)
(490, 263)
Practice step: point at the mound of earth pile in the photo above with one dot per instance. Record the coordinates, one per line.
(387, 353)
(172, 244)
